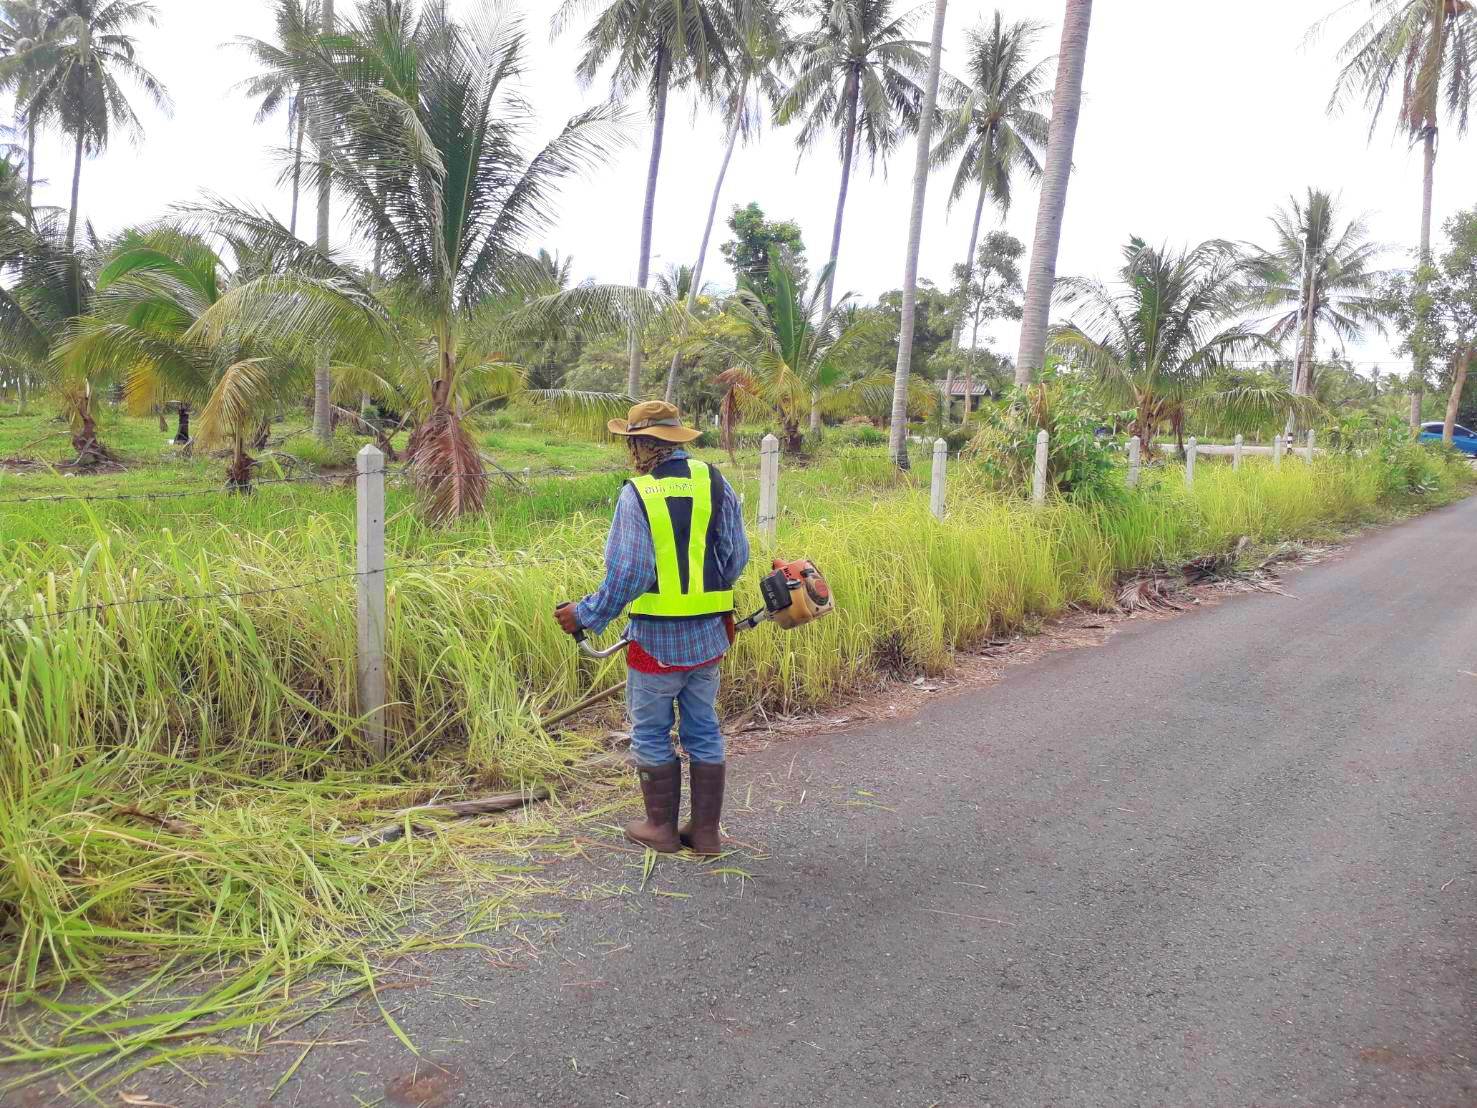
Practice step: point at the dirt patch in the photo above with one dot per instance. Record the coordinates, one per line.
(427, 1087)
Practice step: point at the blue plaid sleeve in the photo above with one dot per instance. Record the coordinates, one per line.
(630, 565)
(732, 541)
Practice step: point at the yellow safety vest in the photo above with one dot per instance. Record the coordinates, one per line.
(682, 512)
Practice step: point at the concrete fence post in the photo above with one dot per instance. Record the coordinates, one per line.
(1310, 446)
(769, 487)
(370, 579)
(940, 477)
(1277, 450)
(1191, 449)
(1038, 476)
(1135, 448)
(1236, 452)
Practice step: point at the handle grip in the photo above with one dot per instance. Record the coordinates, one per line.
(593, 652)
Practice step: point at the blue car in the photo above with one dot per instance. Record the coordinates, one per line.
(1463, 438)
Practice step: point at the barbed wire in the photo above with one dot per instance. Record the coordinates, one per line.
(179, 494)
(166, 598)
(403, 472)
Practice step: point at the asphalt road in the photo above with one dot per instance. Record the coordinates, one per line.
(1229, 858)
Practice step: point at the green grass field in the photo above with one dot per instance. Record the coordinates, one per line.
(229, 723)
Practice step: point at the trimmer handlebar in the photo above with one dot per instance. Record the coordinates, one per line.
(584, 640)
(794, 594)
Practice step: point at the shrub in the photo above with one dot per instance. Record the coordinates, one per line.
(858, 434)
(1067, 409)
(338, 451)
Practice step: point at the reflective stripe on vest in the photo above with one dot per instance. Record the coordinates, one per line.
(662, 497)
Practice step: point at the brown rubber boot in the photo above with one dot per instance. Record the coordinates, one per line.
(661, 789)
(700, 833)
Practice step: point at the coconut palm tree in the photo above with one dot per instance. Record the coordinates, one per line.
(1066, 103)
(170, 316)
(1318, 273)
(748, 82)
(901, 378)
(857, 76)
(75, 74)
(22, 23)
(1160, 337)
(995, 126)
(786, 348)
(1424, 53)
(388, 16)
(651, 44)
(274, 87)
(428, 156)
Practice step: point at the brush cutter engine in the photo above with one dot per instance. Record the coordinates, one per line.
(794, 593)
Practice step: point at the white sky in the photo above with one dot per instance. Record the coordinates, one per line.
(1198, 119)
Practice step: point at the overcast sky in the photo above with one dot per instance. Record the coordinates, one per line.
(1198, 119)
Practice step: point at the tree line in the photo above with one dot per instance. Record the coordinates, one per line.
(413, 121)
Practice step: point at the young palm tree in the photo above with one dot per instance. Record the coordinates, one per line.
(429, 120)
(1318, 273)
(652, 44)
(996, 126)
(76, 68)
(22, 348)
(1424, 52)
(857, 76)
(1159, 339)
(902, 377)
(787, 349)
(170, 317)
(49, 285)
(22, 23)
(274, 86)
(749, 80)
(1066, 103)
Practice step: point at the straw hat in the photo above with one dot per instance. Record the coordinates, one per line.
(656, 418)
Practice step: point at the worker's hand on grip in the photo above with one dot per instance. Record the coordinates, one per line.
(567, 621)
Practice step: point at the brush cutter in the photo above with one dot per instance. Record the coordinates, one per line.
(794, 594)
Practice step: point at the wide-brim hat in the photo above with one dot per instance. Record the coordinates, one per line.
(655, 418)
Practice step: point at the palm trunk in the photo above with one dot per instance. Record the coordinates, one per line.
(648, 211)
(76, 194)
(974, 347)
(30, 171)
(974, 241)
(1423, 277)
(1066, 105)
(322, 376)
(297, 163)
(1454, 401)
(899, 439)
(1303, 375)
(702, 253)
(848, 152)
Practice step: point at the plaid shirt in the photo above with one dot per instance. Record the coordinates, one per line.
(630, 571)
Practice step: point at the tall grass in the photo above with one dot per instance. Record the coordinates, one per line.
(176, 777)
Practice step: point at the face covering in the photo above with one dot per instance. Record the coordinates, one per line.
(647, 453)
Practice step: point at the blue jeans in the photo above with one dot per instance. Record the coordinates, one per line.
(650, 700)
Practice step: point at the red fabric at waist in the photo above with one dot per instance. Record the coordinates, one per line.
(642, 662)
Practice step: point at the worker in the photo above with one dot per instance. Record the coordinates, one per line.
(676, 548)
